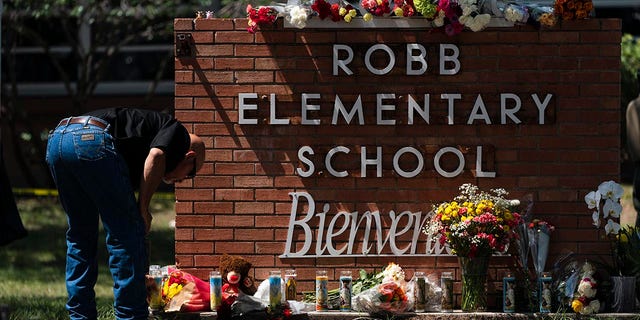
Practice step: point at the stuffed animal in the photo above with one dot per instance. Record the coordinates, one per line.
(235, 275)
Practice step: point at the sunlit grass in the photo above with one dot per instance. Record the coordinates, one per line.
(33, 268)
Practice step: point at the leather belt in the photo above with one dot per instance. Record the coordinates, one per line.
(83, 120)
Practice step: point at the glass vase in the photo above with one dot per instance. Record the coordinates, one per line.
(474, 283)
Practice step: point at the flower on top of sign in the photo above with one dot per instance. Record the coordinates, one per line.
(448, 16)
(573, 9)
(261, 15)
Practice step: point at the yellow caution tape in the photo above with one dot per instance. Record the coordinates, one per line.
(33, 192)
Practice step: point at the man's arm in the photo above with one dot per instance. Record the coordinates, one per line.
(154, 167)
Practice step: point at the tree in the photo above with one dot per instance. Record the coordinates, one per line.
(93, 32)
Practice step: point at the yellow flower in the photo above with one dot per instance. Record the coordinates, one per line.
(379, 2)
(398, 11)
(622, 238)
(342, 11)
(367, 17)
(353, 13)
(576, 305)
(173, 290)
(347, 18)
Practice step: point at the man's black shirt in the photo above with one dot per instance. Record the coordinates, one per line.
(136, 131)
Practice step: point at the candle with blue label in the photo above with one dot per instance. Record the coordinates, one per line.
(345, 290)
(544, 290)
(509, 293)
(275, 288)
(215, 290)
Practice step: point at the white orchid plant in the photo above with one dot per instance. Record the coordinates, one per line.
(610, 193)
(625, 240)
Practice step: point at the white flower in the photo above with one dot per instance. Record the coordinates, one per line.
(465, 20)
(596, 219)
(511, 14)
(515, 13)
(612, 209)
(611, 190)
(393, 273)
(480, 22)
(595, 306)
(438, 21)
(592, 199)
(468, 10)
(585, 288)
(298, 16)
(612, 227)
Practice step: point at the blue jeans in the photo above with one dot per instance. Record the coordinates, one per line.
(93, 183)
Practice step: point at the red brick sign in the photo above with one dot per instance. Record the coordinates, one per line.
(328, 147)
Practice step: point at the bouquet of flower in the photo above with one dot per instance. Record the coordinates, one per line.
(337, 11)
(584, 301)
(377, 8)
(297, 15)
(173, 285)
(404, 8)
(573, 9)
(516, 13)
(427, 8)
(471, 16)
(182, 291)
(475, 223)
(261, 15)
(391, 295)
(539, 233)
(542, 15)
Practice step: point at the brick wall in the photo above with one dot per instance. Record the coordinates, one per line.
(240, 203)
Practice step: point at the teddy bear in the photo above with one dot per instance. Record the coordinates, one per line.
(236, 278)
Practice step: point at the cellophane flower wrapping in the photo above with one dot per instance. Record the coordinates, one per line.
(576, 285)
(393, 295)
(542, 15)
(432, 294)
(182, 291)
(539, 235)
(516, 13)
(584, 298)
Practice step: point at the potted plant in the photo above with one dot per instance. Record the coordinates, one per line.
(624, 240)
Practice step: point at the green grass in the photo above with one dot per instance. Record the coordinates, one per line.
(32, 285)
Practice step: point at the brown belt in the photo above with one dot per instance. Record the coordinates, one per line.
(83, 120)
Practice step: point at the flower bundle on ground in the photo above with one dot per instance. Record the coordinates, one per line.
(390, 295)
(173, 285)
(475, 223)
(584, 300)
